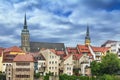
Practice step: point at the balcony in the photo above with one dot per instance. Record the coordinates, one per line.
(97, 54)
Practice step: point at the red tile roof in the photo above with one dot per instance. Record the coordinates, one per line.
(100, 49)
(83, 48)
(72, 50)
(60, 53)
(24, 57)
(13, 49)
(67, 56)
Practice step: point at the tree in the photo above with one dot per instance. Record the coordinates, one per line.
(37, 75)
(95, 68)
(110, 64)
(2, 76)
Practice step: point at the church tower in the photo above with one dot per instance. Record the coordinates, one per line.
(25, 42)
(87, 37)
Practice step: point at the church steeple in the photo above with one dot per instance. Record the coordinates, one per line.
(87, 37)
(25, 42)
(25, 22)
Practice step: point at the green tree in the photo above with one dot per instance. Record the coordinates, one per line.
(95, 68)
(37, 75)
(2, 76)
(110, 64)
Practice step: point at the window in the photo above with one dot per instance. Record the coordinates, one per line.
(49, 67)
(22, 76)
(52, 56)
(68, 68)
(55, 62)
(8, 78)
(55, 67)
(22, 69)
(9, 73)
(23, 64)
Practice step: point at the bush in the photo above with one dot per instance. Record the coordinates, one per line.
(37, 75)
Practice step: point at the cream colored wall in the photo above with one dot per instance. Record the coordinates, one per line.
(52, 62)
(1, 63)
(68, 66)
(4, 66)
(1, 58)
(41, 63)
(31, 72)
(84, 58)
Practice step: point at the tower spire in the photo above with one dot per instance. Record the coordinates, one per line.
(87, 37)
(25, 22)
(87, 33)
(25, 42)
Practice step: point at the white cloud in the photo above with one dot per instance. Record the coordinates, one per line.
(50, 24)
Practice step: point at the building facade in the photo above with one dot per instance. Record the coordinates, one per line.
(52, 61)
(114, 46)
(23, 67)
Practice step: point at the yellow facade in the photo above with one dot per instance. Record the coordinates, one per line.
(87, 42)
(1, 58)
(17, 53)
(0, 63)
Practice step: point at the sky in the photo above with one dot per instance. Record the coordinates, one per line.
(60, 21)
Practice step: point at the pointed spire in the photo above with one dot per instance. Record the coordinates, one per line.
(87, 37)
(25, 22)
(87, 33)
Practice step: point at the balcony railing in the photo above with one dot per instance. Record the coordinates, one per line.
(98, 54)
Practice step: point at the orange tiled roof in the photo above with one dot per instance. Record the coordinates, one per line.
(24, 57)
(100, 49)
(60, 52)
(67, 56)
(72, 50)
(13, 49)
(83, 48)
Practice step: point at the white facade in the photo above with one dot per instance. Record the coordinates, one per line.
(52, 61)
(68, 65)
(115, 47)
(41, 65)
(4, 65)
